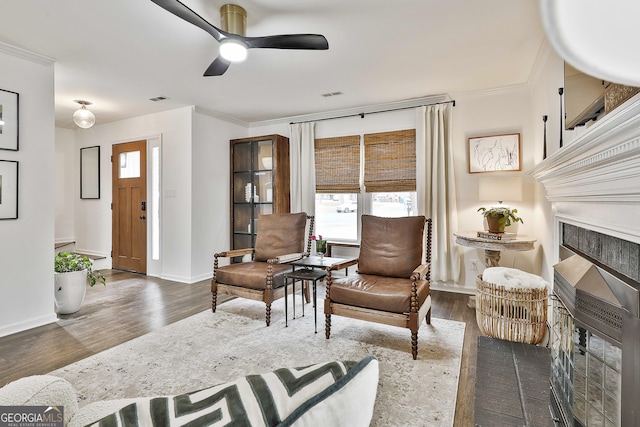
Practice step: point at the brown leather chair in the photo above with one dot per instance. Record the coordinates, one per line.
(391, 285)
(280, 239)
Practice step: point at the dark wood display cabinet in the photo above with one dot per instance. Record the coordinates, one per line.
(259, 184)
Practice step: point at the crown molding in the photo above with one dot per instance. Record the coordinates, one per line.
(207, 112)
(25, 54)
(544, 51)
(502, 90)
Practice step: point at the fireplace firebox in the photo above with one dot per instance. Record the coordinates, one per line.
(595, 340)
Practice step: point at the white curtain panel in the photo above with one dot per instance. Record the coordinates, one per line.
(303, 170)
(436, 187)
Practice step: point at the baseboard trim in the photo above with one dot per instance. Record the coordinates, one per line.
(28, 324)
(452, 287)
(188, 280)
(200, 278)
(179, 279)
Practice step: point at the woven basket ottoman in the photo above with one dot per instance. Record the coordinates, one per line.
(512, 305)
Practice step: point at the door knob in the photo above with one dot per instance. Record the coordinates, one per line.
(143, 217)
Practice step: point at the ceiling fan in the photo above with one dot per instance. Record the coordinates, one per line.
(233, 42)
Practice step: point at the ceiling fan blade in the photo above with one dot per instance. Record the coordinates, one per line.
(182, 11)
(217, 67)
(287, 41)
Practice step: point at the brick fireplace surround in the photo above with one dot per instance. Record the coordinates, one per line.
(593, 184)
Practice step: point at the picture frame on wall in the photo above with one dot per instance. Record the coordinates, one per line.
(8, 189)
(9, 120)
(494, 153)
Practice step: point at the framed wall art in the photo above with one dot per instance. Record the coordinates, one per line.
(8, 189)
(494, 153)
(8, 120)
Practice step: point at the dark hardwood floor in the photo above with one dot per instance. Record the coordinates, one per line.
(132, 305)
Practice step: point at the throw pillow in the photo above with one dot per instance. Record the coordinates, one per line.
(333, 393)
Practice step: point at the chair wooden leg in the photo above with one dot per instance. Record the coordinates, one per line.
(268, 314)
(214, 301)
(327, 325)
(427, 318)
(414, 344)
(307, 295)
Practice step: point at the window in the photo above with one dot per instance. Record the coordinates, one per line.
(337, 216)
(337, 187)
(155, 203)
(129, 165)
(394, 205)
(388, 174)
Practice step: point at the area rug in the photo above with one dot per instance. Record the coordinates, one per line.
(210, 348)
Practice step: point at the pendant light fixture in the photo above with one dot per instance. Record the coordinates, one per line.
(83, 117)
(233, 19)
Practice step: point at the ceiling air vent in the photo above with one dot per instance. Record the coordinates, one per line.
(326, 95)
(158, 98)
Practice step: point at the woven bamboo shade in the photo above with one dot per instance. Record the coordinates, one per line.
(338, 164)
(390, 161)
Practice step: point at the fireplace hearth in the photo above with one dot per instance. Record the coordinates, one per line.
(595, 336)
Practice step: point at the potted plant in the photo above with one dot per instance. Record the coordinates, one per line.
(321, 245)
(500, 217)
(72, 272)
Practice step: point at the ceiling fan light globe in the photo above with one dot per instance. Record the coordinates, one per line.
(233, 50)
(84, 118)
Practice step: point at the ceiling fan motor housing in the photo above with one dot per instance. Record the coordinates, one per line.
(233, 19)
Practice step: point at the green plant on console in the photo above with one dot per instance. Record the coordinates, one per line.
(66, 262)
(504, 215)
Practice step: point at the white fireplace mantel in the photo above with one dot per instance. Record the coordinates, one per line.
(595, 180)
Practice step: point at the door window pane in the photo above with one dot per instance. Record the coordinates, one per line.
(337, 216)
(394, 205)
(129, 165)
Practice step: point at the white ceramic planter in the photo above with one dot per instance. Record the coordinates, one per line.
(70, 289)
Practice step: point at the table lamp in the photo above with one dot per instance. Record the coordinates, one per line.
(500, 189)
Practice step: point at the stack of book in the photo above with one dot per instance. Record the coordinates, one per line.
(496, 236)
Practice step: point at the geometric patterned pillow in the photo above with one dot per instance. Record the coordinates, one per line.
(327, 394)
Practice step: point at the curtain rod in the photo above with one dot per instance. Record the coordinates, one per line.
(361, 115)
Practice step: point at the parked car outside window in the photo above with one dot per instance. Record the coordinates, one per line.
(347, 207)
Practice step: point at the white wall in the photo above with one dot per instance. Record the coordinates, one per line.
(67, 174)
(26, 246)
(210, 216)
(546, 101)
